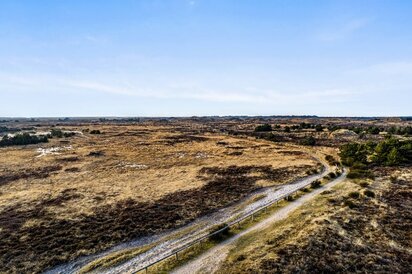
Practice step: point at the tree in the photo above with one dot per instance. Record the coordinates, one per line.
(394, 157)
(56, 133)
(22, 139)
(265, 127)
(318, 128)
(287, 129)
(308, 141)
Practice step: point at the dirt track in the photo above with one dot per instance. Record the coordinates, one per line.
(210, 261)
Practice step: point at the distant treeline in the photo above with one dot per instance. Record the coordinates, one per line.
(7, 129)
(22, 139)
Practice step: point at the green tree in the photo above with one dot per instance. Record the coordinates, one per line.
(394, 157)
(265, 127)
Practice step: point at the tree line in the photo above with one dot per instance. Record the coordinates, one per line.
(22, 139)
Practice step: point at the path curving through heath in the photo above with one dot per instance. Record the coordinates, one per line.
(166, 243)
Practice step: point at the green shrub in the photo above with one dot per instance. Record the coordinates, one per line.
(331, 160)
(241, 258)
(308, 141)
(55, 132)
(289, 198)
(364, 184)
(315, 184)
(22, 139)
(354, 195)
(369, 193)
(264, 127)
(332, 175)
(318, 128)
(95, 131)
(349, 203)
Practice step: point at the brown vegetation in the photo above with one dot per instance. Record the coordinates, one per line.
(129, 182)
(373, 235)
(30, 173)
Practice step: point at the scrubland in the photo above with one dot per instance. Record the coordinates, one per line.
(94, 184)
(359, 226)
(85, 193)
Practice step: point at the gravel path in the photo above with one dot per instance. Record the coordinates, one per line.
(210, 261)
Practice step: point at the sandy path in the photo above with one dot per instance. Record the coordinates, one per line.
(210, 261)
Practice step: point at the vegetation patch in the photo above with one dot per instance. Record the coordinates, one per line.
(22, 139)
(334, 239)
(33, 173)
(53, 241)
(184, 138)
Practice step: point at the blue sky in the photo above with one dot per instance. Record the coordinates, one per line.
(205, 57)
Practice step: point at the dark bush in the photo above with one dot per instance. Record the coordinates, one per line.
(68, 134)
(331, 160)
(369, 193)
(95, 131)
(223, 234)
(364, 184)
(349, 203)
(332, 175)
(315, 184)
(241, 258)
(289, 198)
(56, 133)
(96, 153)
(308, 141)
(22, 139)
(319, 128)
(354, 195)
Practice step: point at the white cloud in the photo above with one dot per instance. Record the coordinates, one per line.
(184, 91)
(339, 32)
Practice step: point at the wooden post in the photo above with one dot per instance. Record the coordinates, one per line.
(177, 256)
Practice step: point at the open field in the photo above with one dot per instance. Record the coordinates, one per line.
(95, 184)
(82, 194)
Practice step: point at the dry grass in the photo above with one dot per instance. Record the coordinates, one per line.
(139, 170)
(328, 235)
(138, 162)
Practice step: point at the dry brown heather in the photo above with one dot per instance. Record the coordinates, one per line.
(338, 232)
(128, 182)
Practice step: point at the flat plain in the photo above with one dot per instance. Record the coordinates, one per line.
(98, 183)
